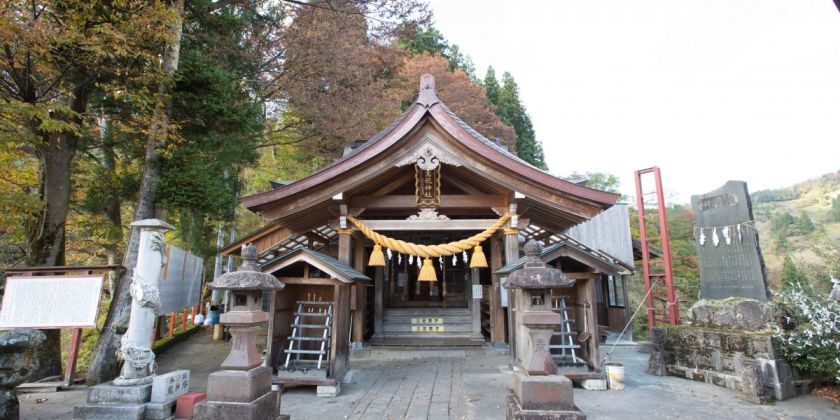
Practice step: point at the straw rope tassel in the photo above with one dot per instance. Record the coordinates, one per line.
(427, 273)
(377, 258)
(425, 251)
(478, 259)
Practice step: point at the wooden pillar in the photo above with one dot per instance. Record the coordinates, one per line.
(629, 331)
(497, 316)
(378, 284)
(512, 256)
(339, 354)
(475, 304)
(184, 320)
(586, 295)
(345, 246)
(361, 293)
(269, 345)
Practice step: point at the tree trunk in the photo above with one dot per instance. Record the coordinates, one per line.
(111, 210)
(105, 366)
(47, 237)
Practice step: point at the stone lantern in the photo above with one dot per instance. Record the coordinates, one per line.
(538, 392)
(536, 279)
(243, 389)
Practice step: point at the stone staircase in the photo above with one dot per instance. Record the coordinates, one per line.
(423, 327)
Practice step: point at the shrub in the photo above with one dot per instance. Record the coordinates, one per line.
(810, 340)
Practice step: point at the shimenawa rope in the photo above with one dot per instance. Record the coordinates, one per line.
(428, 251)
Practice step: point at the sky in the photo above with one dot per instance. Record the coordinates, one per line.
(708, 91)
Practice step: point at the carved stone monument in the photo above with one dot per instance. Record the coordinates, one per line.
(729, 340)
(731, 264)
(243, 389)
(538, 392)
(166, 388)
(127, 395)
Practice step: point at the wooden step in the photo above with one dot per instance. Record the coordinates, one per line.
(447, 319)
(428, 341)
(427, 311)
(406, 328)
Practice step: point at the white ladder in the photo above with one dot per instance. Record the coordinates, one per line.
(567, 346)
(307, 310)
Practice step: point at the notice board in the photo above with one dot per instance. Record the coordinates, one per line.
(47, 302)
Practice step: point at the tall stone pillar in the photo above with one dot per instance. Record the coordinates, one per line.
(136, 350)
(127, 395)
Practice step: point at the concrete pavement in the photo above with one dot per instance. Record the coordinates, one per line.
(464, 384)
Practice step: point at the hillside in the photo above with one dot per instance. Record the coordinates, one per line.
(802, 222)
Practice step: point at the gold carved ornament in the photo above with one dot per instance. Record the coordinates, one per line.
(427, 187)
(427, 272)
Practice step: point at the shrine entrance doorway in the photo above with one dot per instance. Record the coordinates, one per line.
(403, 290)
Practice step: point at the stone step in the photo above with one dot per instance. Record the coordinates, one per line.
(406, 328)
(447, 319)
(437, 340)
(427, 311)
(108, 393)
(110, 411)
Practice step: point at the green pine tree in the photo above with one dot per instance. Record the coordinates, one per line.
(791, 275)
(513, 113)
(782, 244)
(491, 85)
(782, 223)
(430, 40)
(835, 210)
(804, 224)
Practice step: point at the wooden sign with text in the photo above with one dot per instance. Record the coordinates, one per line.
(47, 302)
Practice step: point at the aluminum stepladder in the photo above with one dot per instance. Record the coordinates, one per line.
(567, 355)
(307, 310)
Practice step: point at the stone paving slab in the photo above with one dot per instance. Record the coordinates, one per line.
(469, 387)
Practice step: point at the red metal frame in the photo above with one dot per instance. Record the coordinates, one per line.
(673, 312)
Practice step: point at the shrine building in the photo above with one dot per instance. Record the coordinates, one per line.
(407, 239)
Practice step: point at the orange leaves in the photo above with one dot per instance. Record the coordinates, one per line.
(466, 100)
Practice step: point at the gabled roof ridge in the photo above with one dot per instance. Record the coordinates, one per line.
(586, 192)
(426, 103)
(343, 268)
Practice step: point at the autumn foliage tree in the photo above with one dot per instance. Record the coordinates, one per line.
(335, 79)
(467, 100)
(57, 57)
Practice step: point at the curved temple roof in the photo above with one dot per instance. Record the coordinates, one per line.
(428, 107)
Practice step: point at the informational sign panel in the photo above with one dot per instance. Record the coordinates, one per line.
(180, 284)
(477, 291)
(48, 302)
(427, 324)
(731, 264)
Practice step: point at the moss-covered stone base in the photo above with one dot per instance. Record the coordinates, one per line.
(747, 362)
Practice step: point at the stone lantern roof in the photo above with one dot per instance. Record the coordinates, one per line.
(247, 276)
(536, 274)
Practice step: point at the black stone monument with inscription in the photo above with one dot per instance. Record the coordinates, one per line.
(731, 264)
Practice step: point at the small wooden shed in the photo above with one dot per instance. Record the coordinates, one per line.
(309, 326)
(587, 266)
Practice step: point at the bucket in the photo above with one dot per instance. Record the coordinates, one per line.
(213, 314)
(615, 375)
